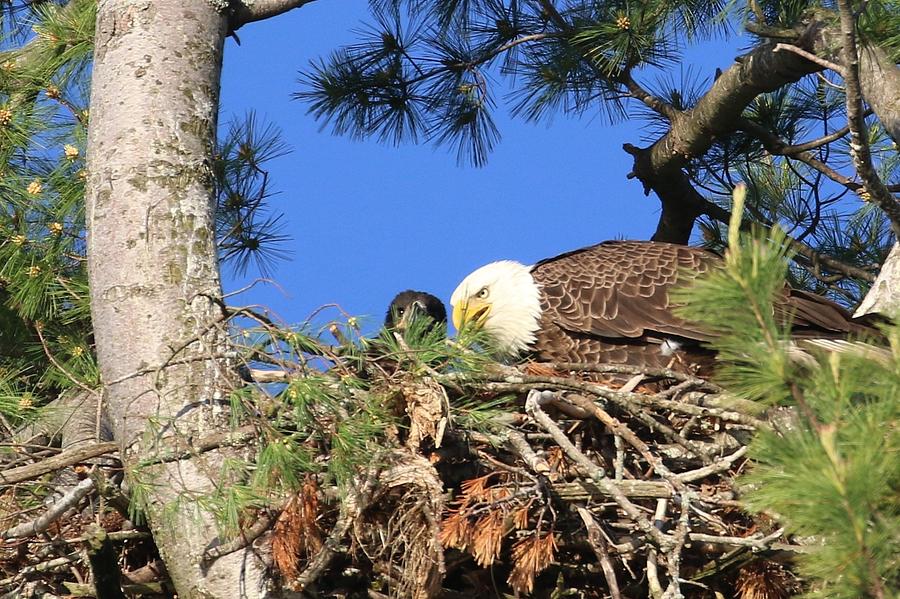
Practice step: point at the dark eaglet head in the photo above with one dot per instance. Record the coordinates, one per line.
(410, 305)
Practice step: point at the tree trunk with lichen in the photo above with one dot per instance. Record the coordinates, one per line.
(153, 268)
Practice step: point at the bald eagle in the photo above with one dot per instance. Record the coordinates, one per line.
(610, 303)
(409, 305)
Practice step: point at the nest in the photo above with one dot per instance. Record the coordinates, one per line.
(580, 480)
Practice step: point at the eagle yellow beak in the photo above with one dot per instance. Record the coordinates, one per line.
(472, 312)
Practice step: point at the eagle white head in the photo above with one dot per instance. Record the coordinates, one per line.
(502, 299)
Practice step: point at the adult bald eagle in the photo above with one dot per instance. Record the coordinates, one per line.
(610, 303)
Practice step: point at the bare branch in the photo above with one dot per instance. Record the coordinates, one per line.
(827, 64)
(247, 536)
(258, 10)
(51, 464)
(53, 513)
(776, 146)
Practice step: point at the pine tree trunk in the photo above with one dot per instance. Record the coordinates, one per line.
(153, 267)
(884, 296)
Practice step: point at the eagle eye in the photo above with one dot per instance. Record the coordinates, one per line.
(482, 293)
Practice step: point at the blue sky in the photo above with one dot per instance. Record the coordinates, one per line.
(368, 220)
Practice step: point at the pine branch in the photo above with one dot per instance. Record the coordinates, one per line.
(692, 133)
(859, 145)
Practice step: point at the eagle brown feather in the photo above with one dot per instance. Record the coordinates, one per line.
(612, 303)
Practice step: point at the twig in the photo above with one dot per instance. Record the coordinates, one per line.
(38, 328)
(818, 143)
(53, 513)
(533, 409)
(183, 450)
(598, 544)
(720, 466)
(512, 380)
(628, 435)
(827, 64)
(778, 147)
(524, 451)
(673, 558)
(754, 542)
(691, 447)
(620, 457)
(247, 536)
(665, 373)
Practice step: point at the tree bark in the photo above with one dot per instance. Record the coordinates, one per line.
(884, 296)
(153, 268)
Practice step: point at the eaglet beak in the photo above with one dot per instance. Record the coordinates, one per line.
(471, 312)
(415, 310)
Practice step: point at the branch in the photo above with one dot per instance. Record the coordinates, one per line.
(776, 146)
(859, 145)
(724, 216)
(181, 450)
(62, 460)
(247, 536)
(53, 513)
(244, 12)
(693, 132)
(717, 112)
(818, 143)
(825, 64)
(655, 103)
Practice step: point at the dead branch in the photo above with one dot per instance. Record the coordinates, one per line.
(246, 537)
(53, 513)
(598, 544)
(57, 462)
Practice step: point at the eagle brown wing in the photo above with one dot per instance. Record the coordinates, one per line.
(620, 289)
(611, 302)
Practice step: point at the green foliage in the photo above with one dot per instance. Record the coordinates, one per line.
(246, 232)
(752, 347)
(833, 475)
(342, 409)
